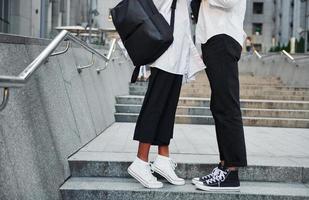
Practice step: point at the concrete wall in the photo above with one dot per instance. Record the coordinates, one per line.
(293, 74)
(55, 114)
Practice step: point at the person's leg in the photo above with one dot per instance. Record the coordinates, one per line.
(163, 150)
(163, 164)
(221, 54)
(221, 57)
(156, 98)
(143, 151)
(147, 125)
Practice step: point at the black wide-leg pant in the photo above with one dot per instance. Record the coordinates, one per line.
(221, 54)
(155, 124)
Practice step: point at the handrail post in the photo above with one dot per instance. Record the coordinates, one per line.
(6, 94)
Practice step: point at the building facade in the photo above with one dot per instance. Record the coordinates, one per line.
(270, 23)
(38, 18)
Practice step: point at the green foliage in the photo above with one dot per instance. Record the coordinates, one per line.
(299, 46)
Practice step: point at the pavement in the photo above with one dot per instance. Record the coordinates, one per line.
(197, 143)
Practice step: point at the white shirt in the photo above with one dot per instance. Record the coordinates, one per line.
(182, 56)
(221, 17)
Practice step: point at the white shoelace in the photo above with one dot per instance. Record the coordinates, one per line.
(220, 177)
(173, 164)
(214, 173)
(149, 171)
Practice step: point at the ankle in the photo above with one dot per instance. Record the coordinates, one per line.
(141, 158)
(232, 169)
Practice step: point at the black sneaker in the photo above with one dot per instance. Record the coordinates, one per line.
(226, 180)
(202, 179)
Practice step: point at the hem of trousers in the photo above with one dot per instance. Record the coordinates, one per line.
(235, 164)
(152, 142)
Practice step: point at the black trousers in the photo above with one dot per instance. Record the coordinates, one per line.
(155, 123)
(221, 54)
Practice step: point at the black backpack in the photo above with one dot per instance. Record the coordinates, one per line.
(143, 30)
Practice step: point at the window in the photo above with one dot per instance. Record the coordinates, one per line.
(258, 8)
(4, 16)
(257, 28)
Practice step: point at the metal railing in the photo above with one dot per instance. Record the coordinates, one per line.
(281, 53)
(289, 56)
(7, 82)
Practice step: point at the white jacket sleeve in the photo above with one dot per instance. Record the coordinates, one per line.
(227, 4)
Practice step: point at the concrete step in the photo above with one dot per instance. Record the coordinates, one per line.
(250, 87)
(208, 120)
(245, 103)
(246, 112)
(244, 93)
(128, 189)
(100, 164)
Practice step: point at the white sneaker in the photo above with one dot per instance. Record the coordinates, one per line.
(141, 171)
(166, 168)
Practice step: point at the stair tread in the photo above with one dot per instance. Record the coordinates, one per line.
(205, 116)
(208, 99)
(130, 185)
(205, 107)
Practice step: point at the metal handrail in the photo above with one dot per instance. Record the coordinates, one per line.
(289, 56)
(257, 54)
(19, 81)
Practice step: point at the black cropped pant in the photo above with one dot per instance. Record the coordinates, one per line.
(155, 123)
(221, 54)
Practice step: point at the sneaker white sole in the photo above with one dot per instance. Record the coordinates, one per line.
(216, 189)
(143, 182)
(168, 178)
(194, 182)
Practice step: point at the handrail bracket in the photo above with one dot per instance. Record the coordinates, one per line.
(63, 51)
(80, 68)
(6, 93)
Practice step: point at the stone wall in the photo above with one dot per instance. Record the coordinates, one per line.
(293, 74)
(54, 115)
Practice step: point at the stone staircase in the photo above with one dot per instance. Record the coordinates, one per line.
(94, 178)
(276, 171)
(265, 101)
(98, 171)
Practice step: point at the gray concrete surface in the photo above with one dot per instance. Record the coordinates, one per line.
(118, 189)
(274, 154)
(263, 143)
(290, 73)
(54, 115)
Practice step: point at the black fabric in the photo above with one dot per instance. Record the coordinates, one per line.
(195, 8)
(143, 30)
(221, 54)
(155, 124)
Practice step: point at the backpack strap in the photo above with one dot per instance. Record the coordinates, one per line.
(173, 7)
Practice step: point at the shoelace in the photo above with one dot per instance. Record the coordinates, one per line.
(150, 171)
(173, 164)
(218, 178)
(214, 173)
